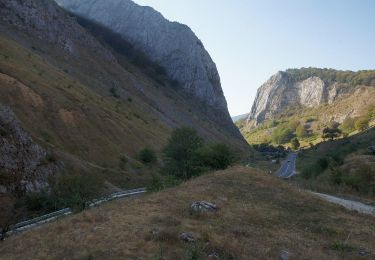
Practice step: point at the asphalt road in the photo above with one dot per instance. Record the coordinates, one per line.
(288, 168)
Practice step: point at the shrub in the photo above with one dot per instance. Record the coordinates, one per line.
(363, 180)
(336, 176)
(156, 184)
(295, 143)
(331, 133)
(147, 156)
(3, 132)
(113, 92)
(323, 163)
(216, 156)
(361, 123)
(123, 162)
(76, 190)
(301, 131)
(348, 125)
(41, 201)
(310, 119)
(282, 135)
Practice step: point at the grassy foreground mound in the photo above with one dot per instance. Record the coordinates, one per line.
(258, 217)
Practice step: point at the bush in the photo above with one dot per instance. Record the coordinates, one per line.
(282, 135)
(123, 162)
(348, 125)
(75, 190)
(363, 180)
(156, 184)
(187, 156)
(216, 156)
(295, 143)
(331, 133)
(362, 123)
(41, 201)
(147, 156)
(113, 92)
(301, 131)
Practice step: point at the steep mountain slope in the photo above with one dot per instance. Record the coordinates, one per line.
(83, 81)
(79, 97)
(172, 45)
(302, 102)
(239, 117)
(306, 88)
(24, 165)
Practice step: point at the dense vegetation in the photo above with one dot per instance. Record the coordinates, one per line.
(187, 155)
(307, 130)
(344, 166)
(329, 76)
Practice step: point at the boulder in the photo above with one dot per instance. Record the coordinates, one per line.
(203, 206)
(187, 237)
(284, 255)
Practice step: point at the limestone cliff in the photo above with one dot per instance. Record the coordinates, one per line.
(306, 88)
(172, 45)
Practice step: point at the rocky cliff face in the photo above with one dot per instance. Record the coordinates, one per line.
(283, 91)
(172, 45)
(43, 19)
(24, 165)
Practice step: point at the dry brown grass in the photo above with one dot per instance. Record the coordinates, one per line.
(258, 217)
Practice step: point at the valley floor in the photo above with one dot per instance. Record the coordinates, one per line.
(259, 216)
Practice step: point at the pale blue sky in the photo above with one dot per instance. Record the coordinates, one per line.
(251, 40)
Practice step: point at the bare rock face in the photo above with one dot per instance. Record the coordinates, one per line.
(24, 165)
(282, 91)
(45, 20)
(172, 45)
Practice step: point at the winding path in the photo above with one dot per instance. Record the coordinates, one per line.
(288, 169)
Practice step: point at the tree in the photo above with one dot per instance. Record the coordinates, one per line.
(331, 133)
(333, 125)
(216, 156)
(301, 131)
(295, 143)
(361, 123)
(147, 156)
(282, 135)
(348, 125)
(180, 153)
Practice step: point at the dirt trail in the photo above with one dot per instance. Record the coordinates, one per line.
(349, 204)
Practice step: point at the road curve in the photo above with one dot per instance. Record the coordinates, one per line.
(288, 168)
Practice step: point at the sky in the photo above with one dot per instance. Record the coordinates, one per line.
(251, 40)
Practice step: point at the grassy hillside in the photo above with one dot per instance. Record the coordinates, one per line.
(345, 167)
(258, 217)
(95, 115)
(307, 124)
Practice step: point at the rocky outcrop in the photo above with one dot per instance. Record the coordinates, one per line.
(283, 91)
(24, 165)
(45, 20)
(170, 44)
